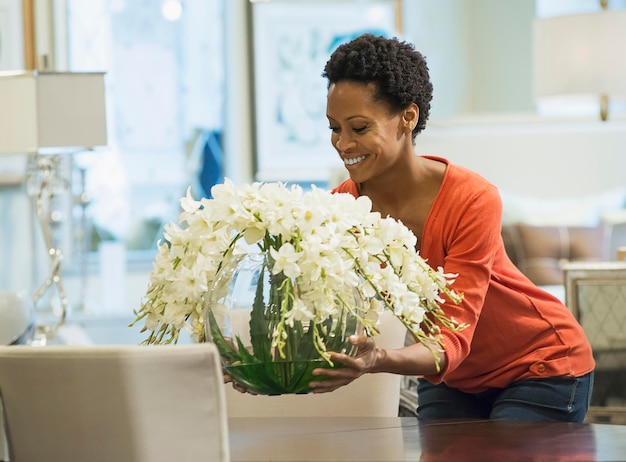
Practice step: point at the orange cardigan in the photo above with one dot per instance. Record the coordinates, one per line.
(517, 330)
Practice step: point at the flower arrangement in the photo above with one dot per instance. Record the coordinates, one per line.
(319, 248)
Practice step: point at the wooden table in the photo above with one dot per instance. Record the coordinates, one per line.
(403, 439)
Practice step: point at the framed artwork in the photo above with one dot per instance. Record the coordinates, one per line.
(11, 35)
(292, 40)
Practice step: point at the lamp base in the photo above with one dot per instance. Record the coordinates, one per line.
(44, 184)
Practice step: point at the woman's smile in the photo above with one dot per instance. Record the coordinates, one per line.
(353, 160)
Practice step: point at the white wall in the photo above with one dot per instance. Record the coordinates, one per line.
(479, 53)
(438, 30)
(483, 113)
(535, 157)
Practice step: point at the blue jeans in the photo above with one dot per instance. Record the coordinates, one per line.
(554, 399)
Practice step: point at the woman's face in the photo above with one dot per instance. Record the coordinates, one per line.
(367, 135)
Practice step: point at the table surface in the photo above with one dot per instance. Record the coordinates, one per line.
(403, 439)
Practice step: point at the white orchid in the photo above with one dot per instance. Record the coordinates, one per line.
(286, 260)
(328, 244)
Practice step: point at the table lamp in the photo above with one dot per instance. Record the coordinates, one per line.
(47, 115)
(581, 55)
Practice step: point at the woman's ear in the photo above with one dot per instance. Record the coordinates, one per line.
(410, 116)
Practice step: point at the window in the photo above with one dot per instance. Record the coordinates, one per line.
(165, 98)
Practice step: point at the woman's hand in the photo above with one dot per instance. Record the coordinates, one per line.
(236, 386)
(354, 366)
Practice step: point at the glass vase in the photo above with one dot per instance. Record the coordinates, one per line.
(245, 318)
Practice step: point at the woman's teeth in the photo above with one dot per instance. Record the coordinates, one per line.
(354, 160)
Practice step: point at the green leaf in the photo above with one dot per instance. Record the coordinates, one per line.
(306, 349)
(225, 348)
(301, 385)
(246, 356)
(253, 377)
(260, 337)
(334, 339)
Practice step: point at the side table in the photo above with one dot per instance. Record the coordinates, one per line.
(596, 295)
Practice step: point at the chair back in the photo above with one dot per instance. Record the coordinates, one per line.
(113, 403)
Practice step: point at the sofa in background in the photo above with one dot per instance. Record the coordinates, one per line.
(540, 234)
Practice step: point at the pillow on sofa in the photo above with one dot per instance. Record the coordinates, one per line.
(585, 210)
(539, 251)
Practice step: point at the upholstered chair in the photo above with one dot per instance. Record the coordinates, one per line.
(114, 403)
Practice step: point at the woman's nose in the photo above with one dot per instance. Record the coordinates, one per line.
(343, 142)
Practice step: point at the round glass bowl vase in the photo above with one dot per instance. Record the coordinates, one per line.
(245, 317)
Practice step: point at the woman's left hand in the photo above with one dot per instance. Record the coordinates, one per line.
(354, 366)
(236, 386)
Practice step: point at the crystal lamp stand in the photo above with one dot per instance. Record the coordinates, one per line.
(44, 184)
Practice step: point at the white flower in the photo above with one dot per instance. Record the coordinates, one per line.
(285, 260)
(328, 245)
(299, 312)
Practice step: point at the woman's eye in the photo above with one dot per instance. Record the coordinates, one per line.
(334, 129)
(360, 129)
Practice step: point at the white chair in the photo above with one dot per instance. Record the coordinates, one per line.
(114, 403)
(371, 395)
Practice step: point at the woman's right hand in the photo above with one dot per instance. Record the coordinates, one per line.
(355, 367)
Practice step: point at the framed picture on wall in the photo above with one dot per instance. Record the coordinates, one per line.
(292, 40)
(11, 35)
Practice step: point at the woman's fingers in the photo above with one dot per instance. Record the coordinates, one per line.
(353, 366)
(236, 386)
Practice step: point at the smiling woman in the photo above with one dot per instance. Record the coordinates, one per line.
(509, 366)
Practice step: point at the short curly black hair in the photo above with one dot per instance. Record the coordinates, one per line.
(399, 72)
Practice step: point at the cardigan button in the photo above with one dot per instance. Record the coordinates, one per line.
(538, 368)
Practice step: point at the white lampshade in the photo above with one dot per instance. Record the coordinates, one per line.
(581, 54)
(51, 111)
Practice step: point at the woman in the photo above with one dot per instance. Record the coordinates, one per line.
(524, 356)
